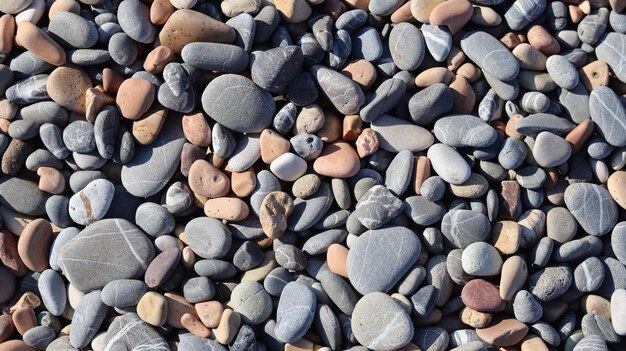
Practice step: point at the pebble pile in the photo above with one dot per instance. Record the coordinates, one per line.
(300, 175)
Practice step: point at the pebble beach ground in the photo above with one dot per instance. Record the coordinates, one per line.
(300, 175)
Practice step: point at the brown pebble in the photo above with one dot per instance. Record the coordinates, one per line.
(152, 308)
(6, 327)
(15, 156)
(338, 160)
(24, 319)
(420, 173)
(503, 332)
(15, 345)
(336, 256)
(512, 277)
(7, 33)
(474, 318)
(367, 143)
(511, 126)
(67, 86)
(334, 8)
(351, 127)
(194, 326)
(8, 109)
(331, 130)
(190, 154)
(542, 40)
(9, 255)
(188, 26)
(34, 244)
(272, 145)
(243, 183)
(210, 313)
(35, 40)
(480, 295)
(511, 40)
(455, 59)
(147, 128)
(64, 6)
(111, 81)
(160, 11)
(506, 237)
(177, 306)
(434, 75)
(197, 129)
(158, 58)
(51, 180)
(360, 71)
(206, 180)
(402, 14)
(452, 13)
(463, 95)
(227, 329)
(134, 97)
(579, 135)
(95, 100)
(510, 200)
(228, 208)
(275, 209)
(594, 74)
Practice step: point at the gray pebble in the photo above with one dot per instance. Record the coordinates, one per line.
(105, 130)
(593, 26)
(154, 219)
(398, 174)
(290, 257)
(39, 337)
(431, 338)
(526, 308)
(309, 211)
(91, 203)
(245, 29)
(366, 44)
(352, 20)
(28, 64)
(88, 57)
(308, 146)
(550, 283)
(53, 291)
(438, 41)
(344, 93)
(215, 269)
(430, 103)
(550, 150)
(295, 312)
(23, 129)
(449, 164)
(29, 90)
(395, 134)
(123, 292)
(589, 275)
(134, 18)
(433, 188)
(248, 256)
(123, 49)
(523, 12)
(544, 122)
(208, 237)
(341, 49)
(266, 21)
(464, 131)
(78, 136)
(219, 57)
(609, 115)
(385, 98)
(72, 30)
(407, 46)
(377, 207)
(423, 211)
(252, 302)
(339, 290)
(463, 227)
(275, 281)
(198, 289)
(490, 54)
(592, 206)
(562, 72)
(87, 319)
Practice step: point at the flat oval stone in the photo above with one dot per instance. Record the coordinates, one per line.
(612, 50)
(53, 291)
(395, 134)
(449, 164)
(464, 131)
(609, 115)
(307, 212)
(550, 283)
(343, 92)
(338, 160)
(208, 237)
(544, 122)
(503, 332)
(464, 227)
(366, 44)
(438, 41)
(481, 259)
(490, 54)
(523, 12)
(91, 203)
(592, 206)
(562, 72)
(386, 97)
(215, 57)
(551, 150)
(123, 292)
(288, 167)
(87, 263)
(482, 296)
(274, 69)
(152, 166)
(134, 18)
(366, 268)
(295, 312)
(252, 302)
(372, 317)
(87, 319)
(39, 337)
(72, 30)
(406, 44)
(589, 275)
(223, 100)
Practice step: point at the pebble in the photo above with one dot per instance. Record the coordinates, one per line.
(53, 291)
(215, 57)
(39, 337)
(338, 160)
(490, 54)
(306, 186)
(377, 206)
(87, 319)
(449, 164)
(430, 103)
(369, 323)
(503, 332)
(403, 36)
(274, 69)
(290, 327)
(288, 167)
(523, 12)
(92, 203)
(482, 296)
(129, 331)
(133, 17)
(460, 234)
(152, 308)
(481, 259)
(562, 72)
(550, 283)
(342, 92)
(608, 115)
(275, 209)
(513, 277)
(550, 150)
(600, 212)
(454, 15)
(251, 302)
(61, 28)
(526, 308)
(464, 131)
(123, 292)
(40, 44)
(208, 237)
(438, 41)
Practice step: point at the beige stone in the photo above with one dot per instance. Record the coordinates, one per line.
(152, 308)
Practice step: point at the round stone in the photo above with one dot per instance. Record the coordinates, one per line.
(370, 320)
(252, 302)
(208, 237)
(481, 259)
(295, 312)
(592, 206)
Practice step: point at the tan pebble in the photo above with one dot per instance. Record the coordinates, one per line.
(243, 182)
(617, 187)
(210, 313)
(228, 208)
(7, 33)
(227, 329)
(9, 255)
(158, 58)
(511, 127)
(463, 95)
(34, 244)
(35, 40)
(337, 256)
(310, 119)
(197, 129)
(359, 4)
(188, 258)
(455, 59)
(27, 300)
(434, 75)
(403, 301)
(420, 173)
(367, 143)
(351, 127)
(580, 134)
(15, 345)
(511, 40)
(152, 308)
(421, 9)
(177, 306)
(293, 11)
(4, 126)
(68, 86)
(402, 14)
(275, 209)
(147, 128)
(306, 186)
(334, 8)
(575, 14)
(194, 326)
(95, 100)
(188, 26)
(64, 6)
(594, 74)
(24, 319)
(134, 97)
(485, 16)
(473, 318)
(452, 13)
(207, 180)
(542, 40)
(338, 160)
(160, 11)
(111, 81)
(360, 71)
(272, 145)
(470, 72)
(512, 277)
(8, 109)
(596, 305)
(261, 271)
(300, 345)
(529, 57)
(506, 237)
(51, 180)
(503, 332)
(533, 343)
(331, 130)
(585, 7)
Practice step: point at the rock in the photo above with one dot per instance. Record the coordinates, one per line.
(130, 332)
(134, 97)
(306, 186)
(370, 320)
(454, 15)
(377, 207)
(219, 57)
(152, 308)
(53, 291)
(288, 167)
(464, 131)
(187, 26)
(344, 93)
(592, 206)
(481, 259)
(40, 44)
(123, 292)
(616, 189)
(34, 243)
(395, 134)
(92, 203)
(338, 160)
(39, 337)
(523, 12)
(482, 296)
(551, 150)
(526, 308)
(208, 237)
(405, 247)
(366, 44)
(430, 103)
(550, 283)
(503, 332)
(274, 69)
(464, 227)
(513, 277)
(402, 37)
(22, 196)
(423, 211)
(72, 30)
(543, 122)
(589, 275)
(490, 54)
(431, 338)
(449, 164)
(591, 342)
(386, 97)
(133, 253)
(423, 301)
(225, 105)
(617, 308)
(609, 115)
(57, 86)
(87, 319)
(438, 41)
(252, 302)
(562, 72)
(309, 211)
(295, 312)
(611, 49)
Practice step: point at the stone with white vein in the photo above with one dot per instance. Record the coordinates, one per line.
(295, 312)
(612, 50)
(609, 115)
(592, 206)
(91, 203)
(464, 131)
(490, 55)
(523, 12)
(438, 41)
